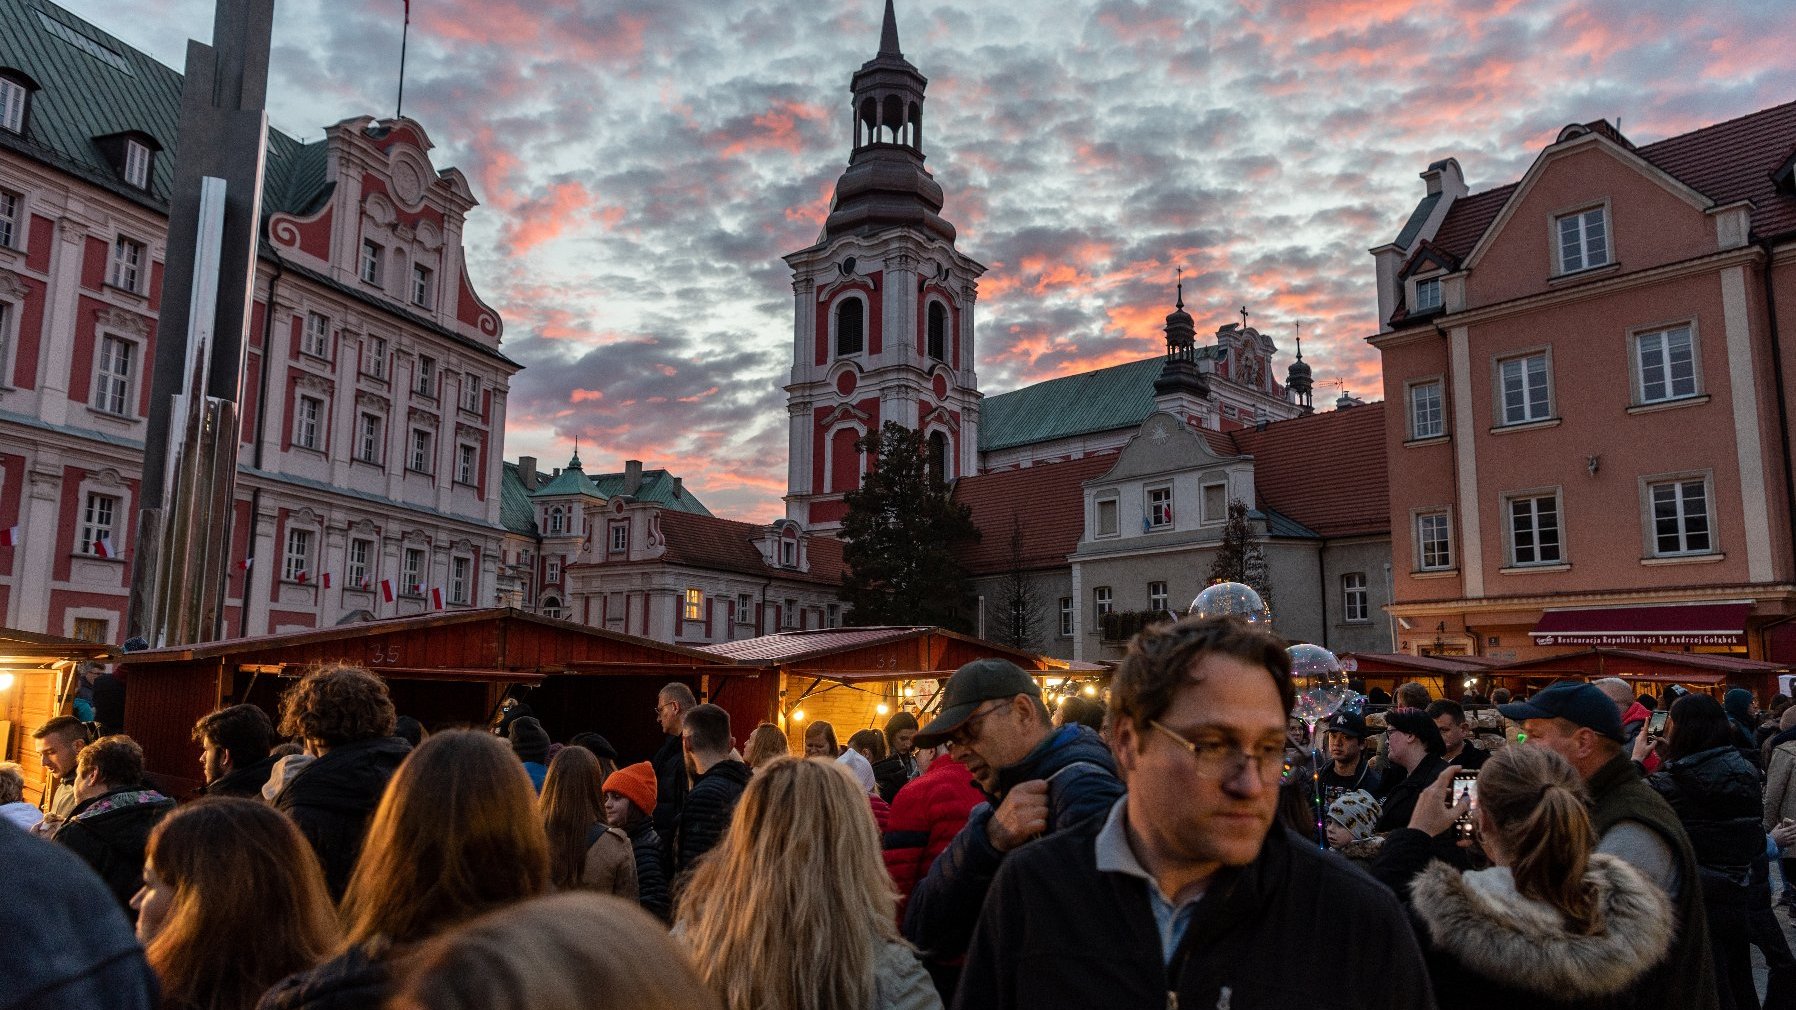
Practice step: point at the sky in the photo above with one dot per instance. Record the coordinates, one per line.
(642, 167)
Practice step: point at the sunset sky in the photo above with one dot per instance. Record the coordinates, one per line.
(642, 167)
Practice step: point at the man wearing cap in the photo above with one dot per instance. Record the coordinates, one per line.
(1037, 779)
(1187, 894)
(1579, 722)
(1413, 742)
(1349, 766)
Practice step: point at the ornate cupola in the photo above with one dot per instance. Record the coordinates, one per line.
(1298, 380)
(1181, 389)
(885, 184)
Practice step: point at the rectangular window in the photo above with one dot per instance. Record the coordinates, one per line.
(305, 422)
(459, 569)
(137, 164)
(92, 629)
(298, 564)
(1425, 417)
(1101, 600)
(360, 553)
(470, 393)
(745, 609)
(1434, 542)
(368, 439)
(1354, 603)
(1667, 363)
(1428, 294)
(420, 460)
(376, 352)
(1156, 596)
(112, 382)
(424, 383)
(554, 571)
(465, 468)
(1534, 530)
(1583, 240)
(1066, 616)
(1159, 508)
(371, 255)
(411, 572)
(1681, 517)
(1216, 503)
(789, 553)
(1107, 518)
(9, 219)
(316, 340)
(12, 106)
(1527, 395)
(127, 263)
(695, 605)
(96, 526)
(832, 615)
(620, 538)
(422, 288)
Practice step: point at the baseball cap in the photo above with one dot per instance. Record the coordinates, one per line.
(1349, 724)
(972, 685)
(1574, 701)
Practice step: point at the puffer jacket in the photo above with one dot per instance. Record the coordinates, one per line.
(1082, 783)
(1715, 794)
(110, 832)
(706, 813)
(332, 799)
(651, 875)
(926, 815)
(356, 979)
(1780, 784)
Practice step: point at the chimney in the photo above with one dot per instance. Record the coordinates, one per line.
(632, 476)
(679, 488)
(527, 472)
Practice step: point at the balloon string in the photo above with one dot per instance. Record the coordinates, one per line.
(1316, 780)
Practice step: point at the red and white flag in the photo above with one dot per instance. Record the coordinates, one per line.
(436, 597)
(243, 566)
(303, 577)
(386, 590)
(325, 580)
(103, 547)
(10, 537)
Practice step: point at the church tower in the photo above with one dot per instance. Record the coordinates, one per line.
(883, 305)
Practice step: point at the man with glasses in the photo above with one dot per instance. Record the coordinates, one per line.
(1038, 779)
(671, 781)
(1185, 894)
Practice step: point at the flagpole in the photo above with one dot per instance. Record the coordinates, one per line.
(404, 32)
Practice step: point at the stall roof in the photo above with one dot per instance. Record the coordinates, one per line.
(1660, 624)
(1392, 662)
(1707, 662)
(794, 648)
(34, 649)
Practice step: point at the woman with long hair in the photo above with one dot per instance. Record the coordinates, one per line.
(793, 910)
(584, 851)
(233, 901)
(764, 744)
(456, 835)
(820, 741)
(1553, 923)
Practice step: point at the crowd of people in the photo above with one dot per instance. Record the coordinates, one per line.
(1181, 844)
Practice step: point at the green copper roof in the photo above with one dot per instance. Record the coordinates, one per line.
(515, 513)
(1101, 400)
(657, 487)
(572, 480)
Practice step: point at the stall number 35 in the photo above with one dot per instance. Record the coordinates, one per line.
(886, 663)
(378, 656)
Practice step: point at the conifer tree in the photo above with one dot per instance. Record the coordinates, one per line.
(1240, 558)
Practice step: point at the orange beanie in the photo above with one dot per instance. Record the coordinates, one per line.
(635, 783)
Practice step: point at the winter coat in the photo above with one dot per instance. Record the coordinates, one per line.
(706, 813)
(246, 782)
(1082, 783)
(1058, 932)
(332, 799)
(110, 832)
(1632, 722)
(610, 863)
(882, 812)
(671, 787)
(926, 816)
(1780, 785)
(1715, 794)
(651, 875)
(899, 981)
(357, 979)
(21, 814)
(67, 944)
(893, 773)
(1400, 800)
(1334, 784)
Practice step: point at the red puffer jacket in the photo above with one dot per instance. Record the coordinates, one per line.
(926, 815)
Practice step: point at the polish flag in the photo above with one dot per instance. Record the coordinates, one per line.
(103, 547)
(436, 598)
(9, 538)
(303, 577)
(325, 580)
(243, 565)
(386, 590)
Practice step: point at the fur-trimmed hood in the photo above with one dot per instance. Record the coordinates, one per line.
(1480, 919)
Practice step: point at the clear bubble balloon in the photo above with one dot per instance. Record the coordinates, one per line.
(1320, 682)
(1231, 599)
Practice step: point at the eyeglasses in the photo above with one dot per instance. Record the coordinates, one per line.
(1221, 761)
(662, 707)
(967, 731)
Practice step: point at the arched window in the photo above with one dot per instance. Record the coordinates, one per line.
(850, 337)
(552, 606)
(938, 456)
(891, 118)
(866, 126)
(557, 521)
(938, 331)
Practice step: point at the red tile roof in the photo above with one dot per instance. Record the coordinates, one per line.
(792, 646)
(729, 546)
(1048, 501)
(1327, 471)
(1467, 219)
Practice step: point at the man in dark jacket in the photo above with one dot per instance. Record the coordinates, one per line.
(344, 717)
(114, 813)
(671, 780)
(1413, 742)
(1038, 779)
(1186, 894)
(705, 815)
(235, 759)
(1349, 767)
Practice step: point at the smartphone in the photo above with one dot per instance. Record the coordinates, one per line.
(1655, 723)
(1464, 784)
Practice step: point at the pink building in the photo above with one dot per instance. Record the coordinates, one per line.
(1589, 438)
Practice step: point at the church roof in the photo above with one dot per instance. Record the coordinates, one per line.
(1102, 399)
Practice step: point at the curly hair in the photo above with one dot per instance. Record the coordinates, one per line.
(335, 705)
(1161, 658)
(117, 758)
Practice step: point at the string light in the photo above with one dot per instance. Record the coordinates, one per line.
(882, 708)
(1091, 690)
(798, 715)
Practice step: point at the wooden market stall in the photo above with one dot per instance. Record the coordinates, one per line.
(1647, 671)
(1444, 676)
(37, 683)
(445, 669)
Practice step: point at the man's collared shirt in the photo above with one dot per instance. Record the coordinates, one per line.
(1116, 855)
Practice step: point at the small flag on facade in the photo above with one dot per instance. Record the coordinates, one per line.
(9, 537)
(436, 597)
(103, 547)
(325, 580)
(302, 577)
(386, 590)
(243, 566)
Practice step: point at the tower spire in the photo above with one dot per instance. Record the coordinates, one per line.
(888, 33)
(1180, 303)
(1298, 326)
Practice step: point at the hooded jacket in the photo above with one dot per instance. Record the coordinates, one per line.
(1715, 794)
(1082, 783)
(110, 832)
(926, 815)
(333, 798)
(706, 813)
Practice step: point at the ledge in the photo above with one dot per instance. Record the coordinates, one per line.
(1430, 440)
(1508, 429)
(1574, 276)
(1682, 401)
(1563, 566)
(1434, 573)
(1684, 559)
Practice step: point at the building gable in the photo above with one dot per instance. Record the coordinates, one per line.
(1162, 446)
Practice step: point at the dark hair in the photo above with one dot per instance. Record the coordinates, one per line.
(710, 726)
(244, 731)
(1416, 723)
(897, 724)
(571, 803)
(1447, 707)
(1698, 723)
(1162, 657)
(1413, 695)
(1500, 696)
(869, 740)
(1085, 712)
(62, 725)
(678, 692)
(337, 705)
(117, 758)
(1648, 702)
(410, 730)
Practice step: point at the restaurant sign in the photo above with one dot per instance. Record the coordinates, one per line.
(1626, 639)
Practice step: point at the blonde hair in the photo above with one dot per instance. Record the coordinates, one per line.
(573, 951)
(456, 834)
(764, 743)
(1536, 801)
(791, 910)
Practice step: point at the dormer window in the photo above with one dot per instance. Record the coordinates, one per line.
(789, 553)
(137, 164)
(13, 95)
(1428, 294)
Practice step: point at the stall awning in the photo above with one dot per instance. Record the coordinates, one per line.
(1678, 624)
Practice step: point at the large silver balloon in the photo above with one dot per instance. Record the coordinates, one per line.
(1231, 599)
(1320, 682)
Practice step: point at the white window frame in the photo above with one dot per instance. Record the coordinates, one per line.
(423, 447)
(424, 380)
(1159, 509)
(315, 336)
(137, 164)
(1649, 504)
(370, 437)
(307, 414)
(112, 392)
(460, 577)
(1659, 342)
(12, 105)
(422, 286)
(789, 614)
(1103, 601)
(692, 604)
(99, 519)
(467, 464)
(1157, 598)
(745, 609)
(620, 538)
(1432, 285)
(552, 573)
(129, 258)
(470, 393)
(1536, 527)
(788, 552)
(1575, 228)
(1066, 616)
(374, 357)
(1417, 431)
(1444, 558)
(296, 559)
(370, 265)
(1098, 530)
(11, 206)
(1356, 598)
(1531, 411)
(557, 521)
(832, 615)
(357, 563)
(411, 572)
